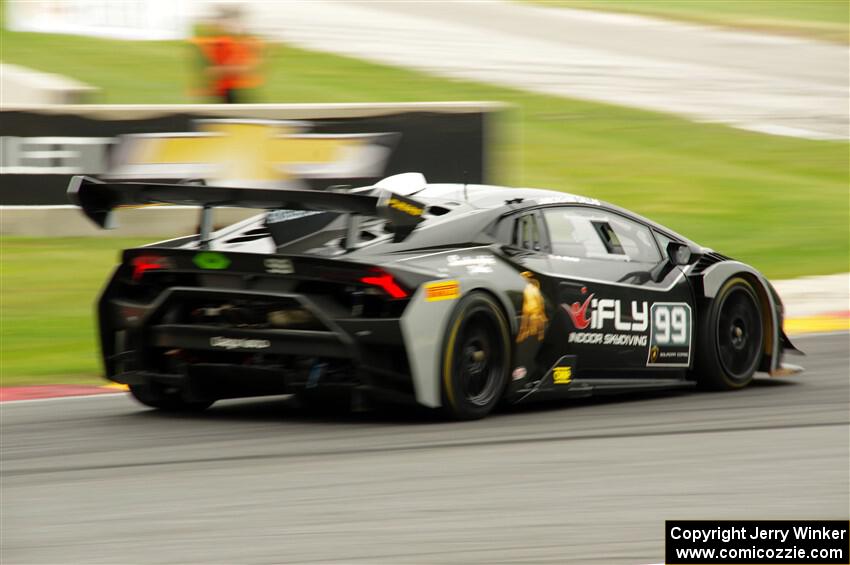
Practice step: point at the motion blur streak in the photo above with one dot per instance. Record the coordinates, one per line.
(771, 84)
(102, 480)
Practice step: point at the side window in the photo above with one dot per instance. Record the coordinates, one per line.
(526, 233)
(663, 241)
(522, 231)
(596, 234)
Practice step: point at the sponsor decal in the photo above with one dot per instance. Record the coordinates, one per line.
(533, 321)
(519, 373)
(475, 264)
(211, 260)
(405, 207)
(239, 343)
(567, 198)
(586, 200)
(562, 375)
(608, 314)
(653, 354)
(554, 199)
(594, 313)
(670, 335)
(442, 290)
(278, 266)
(566, 258)
(601, 338)
(578, 311)
(277, 216)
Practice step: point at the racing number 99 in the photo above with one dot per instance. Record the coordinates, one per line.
(670, 324)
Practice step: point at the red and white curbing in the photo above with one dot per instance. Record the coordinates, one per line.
(47, 392)
(816, 304)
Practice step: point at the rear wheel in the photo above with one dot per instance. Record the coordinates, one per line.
(476, 355)
(165, 398)
(732, 338)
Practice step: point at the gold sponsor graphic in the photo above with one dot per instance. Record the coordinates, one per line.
(442, 290)
(534, 320)
(653, 354)
(262, 152)
(562, 375)
(405, 207)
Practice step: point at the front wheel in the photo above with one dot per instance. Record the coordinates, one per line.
(166, 398)
(476, 358)
(732, 338)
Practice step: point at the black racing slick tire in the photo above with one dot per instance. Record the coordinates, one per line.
(731, 337)
(476, 358)
(166, 399)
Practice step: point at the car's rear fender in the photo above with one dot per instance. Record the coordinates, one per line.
(425, 320)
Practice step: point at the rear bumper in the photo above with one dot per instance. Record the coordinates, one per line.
(214, 360)
(216, 381)
(267, 341)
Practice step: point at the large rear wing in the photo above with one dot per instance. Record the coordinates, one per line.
(98, 200)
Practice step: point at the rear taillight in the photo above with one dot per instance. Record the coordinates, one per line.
(385, 282)
(145, 263)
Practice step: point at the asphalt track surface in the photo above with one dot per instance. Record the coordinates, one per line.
(102, 480)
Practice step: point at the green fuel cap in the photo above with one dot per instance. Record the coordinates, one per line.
(211, 260)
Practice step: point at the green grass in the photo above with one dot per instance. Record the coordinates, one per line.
(48, 290)
(827, 20)
(778, 203)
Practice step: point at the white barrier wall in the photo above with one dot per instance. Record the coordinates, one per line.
(119, 19)
(19, 85)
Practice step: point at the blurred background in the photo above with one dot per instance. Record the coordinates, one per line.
(726, 120)
(733, 133)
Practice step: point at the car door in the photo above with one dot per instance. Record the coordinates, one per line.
(522, 239)
(623, 308)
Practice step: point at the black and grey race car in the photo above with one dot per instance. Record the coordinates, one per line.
(456, 297)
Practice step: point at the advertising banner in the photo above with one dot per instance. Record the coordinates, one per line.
(251, 145)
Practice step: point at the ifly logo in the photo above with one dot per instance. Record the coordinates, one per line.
(593, 313)
(578, 313)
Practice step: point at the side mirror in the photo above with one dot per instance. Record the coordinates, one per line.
(680, 254)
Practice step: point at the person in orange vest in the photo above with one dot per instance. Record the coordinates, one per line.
(230, 58)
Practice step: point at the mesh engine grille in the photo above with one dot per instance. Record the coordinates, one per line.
(708, 260)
